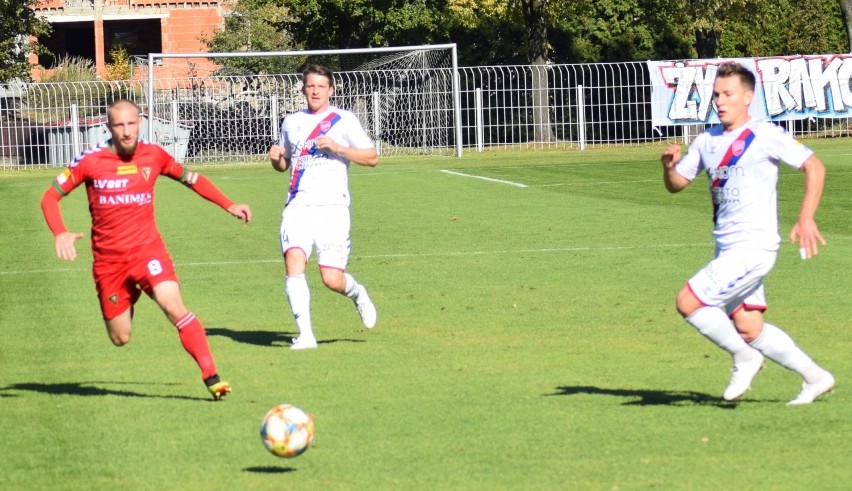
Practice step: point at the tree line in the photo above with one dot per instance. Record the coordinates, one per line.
(495, 32)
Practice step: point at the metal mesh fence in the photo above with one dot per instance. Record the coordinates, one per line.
(407, 109)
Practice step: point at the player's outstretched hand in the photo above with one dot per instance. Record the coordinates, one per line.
(276, 152)
(671, 156)
(243, 212)
(807, 233)
(65, 248)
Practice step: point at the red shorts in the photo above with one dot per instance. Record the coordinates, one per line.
(120, 283)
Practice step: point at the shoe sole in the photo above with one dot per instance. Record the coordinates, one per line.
(298, 347)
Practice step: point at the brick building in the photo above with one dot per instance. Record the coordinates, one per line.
(92, 28)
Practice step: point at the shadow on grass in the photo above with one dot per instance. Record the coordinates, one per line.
(257, 338)
(649, 397)
(87, 390)
(268, 338)
(268, 469)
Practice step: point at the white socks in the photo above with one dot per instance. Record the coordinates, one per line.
(351, 290)
(774, 343)
(296, 288)
(779, 347)
(299, 295)
(715, 325)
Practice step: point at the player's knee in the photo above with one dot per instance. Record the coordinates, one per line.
(682, 310)
(686, 303)
(333, 283)
(119, 339)
(749, 323)
(333, 279)
(118, 328)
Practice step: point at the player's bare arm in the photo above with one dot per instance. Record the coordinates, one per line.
(361, 156)
(805, 230)
(276, 157)
(64, 241)
(65, 247)
(674, 182)
(241, 211)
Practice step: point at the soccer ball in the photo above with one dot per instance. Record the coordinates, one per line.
(286, 430)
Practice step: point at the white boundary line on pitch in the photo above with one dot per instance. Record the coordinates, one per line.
(399, 255)
(358, 174)
(591, 183)
(490, 179)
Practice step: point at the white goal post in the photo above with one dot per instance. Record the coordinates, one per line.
(407, 98)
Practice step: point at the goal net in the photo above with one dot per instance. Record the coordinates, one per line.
(224, 107)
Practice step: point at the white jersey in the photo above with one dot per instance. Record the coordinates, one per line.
(316, 177)
(742, 168)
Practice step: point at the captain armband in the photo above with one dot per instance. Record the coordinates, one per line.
(189, 178)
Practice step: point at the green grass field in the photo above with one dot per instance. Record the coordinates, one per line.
(527, 339)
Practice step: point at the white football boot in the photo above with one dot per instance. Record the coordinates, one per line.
(303, 342)
(811, 391)
(741, 376)
(365, 308)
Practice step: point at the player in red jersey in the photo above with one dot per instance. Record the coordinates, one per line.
(129, 253)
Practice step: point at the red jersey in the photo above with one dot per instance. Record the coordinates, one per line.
(121, 195)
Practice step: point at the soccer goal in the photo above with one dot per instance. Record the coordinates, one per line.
(229, 106)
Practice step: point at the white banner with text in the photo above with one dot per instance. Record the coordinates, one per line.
(789, 87)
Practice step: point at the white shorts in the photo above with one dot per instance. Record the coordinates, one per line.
(325, 228)
(734, 280)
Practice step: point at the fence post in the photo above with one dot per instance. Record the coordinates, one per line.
(273, 116)
(457, 104)
(151, 104)
(478, 120)
(581, 117)
(175, 122)
(75, 131)
(377, 127)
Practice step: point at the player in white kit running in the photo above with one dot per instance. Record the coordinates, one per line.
(316, 145)
(740, 158)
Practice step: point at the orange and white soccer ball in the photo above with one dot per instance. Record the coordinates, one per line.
(286, 430)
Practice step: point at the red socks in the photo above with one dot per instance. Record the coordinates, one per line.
(194, 341)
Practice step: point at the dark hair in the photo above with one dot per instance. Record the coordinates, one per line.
(733, 69)
(319, 70)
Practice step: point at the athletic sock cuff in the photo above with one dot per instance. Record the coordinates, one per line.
(185, 320)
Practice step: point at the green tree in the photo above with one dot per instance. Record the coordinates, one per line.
(846, 8)
(618, 30)
(487, 32)
(18, 21)
(822, 20)
(756, 28)
(341, 24)
(253, 25)
(535, 16)
(766, 31)
(521, 28)
(119, 66)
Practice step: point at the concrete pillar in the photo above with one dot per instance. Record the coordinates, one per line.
(100, 55)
